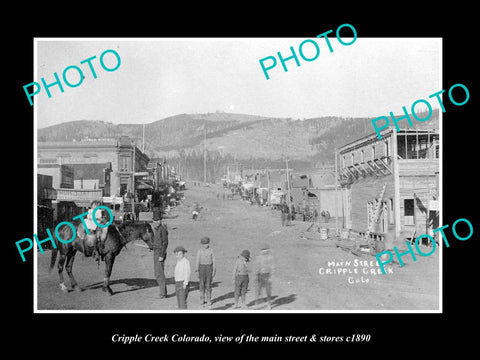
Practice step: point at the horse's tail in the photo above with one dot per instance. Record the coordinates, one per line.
(53, 259)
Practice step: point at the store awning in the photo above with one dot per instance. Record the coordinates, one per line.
(143, 185)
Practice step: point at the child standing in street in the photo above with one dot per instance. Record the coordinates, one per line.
(240, 278)
(93, 228)
(264, 268)
(205, 266)
(182, 277)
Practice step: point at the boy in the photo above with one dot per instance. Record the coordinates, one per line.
(182, 277)
(196, 211)
(264, 269)
(205, 266)
(240, 277)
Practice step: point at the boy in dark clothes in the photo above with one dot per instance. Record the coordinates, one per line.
(205, 266)
(240, 277)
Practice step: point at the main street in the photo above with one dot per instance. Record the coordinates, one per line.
(311, 274)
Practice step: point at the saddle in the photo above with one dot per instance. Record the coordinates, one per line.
(88, 240)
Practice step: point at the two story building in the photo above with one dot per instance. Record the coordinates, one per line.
(391, 183)
(109, 165)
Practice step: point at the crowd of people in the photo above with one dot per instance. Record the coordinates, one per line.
(262, 269)
(306, 214)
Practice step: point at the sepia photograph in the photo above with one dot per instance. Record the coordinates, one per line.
(238, 175)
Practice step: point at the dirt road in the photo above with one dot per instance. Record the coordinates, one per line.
(311, 274)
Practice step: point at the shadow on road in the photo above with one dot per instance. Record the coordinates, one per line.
(284, 300)
(195, 286)
(133, 284)
(275, 301)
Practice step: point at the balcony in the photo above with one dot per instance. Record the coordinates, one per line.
(377, 167)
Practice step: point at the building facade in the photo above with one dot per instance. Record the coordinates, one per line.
(62, 175)
(94, 176)
(391, 183)
(45, 210)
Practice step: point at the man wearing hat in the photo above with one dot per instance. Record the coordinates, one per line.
(240, 277)
(182, 277)
(160, 244)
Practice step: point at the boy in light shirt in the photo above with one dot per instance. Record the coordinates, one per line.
(182, 277)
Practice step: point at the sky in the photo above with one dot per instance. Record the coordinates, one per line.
(163, 77)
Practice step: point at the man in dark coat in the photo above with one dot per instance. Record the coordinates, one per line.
(160, 244)
(283, 214)
(137, 213)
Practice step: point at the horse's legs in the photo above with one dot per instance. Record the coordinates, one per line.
(69, 267)
(109, 260)
(61, 262)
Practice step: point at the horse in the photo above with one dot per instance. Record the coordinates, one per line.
(116, 239)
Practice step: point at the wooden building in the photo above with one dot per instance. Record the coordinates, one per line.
(394, 180)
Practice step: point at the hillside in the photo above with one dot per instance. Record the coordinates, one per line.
(250, 139)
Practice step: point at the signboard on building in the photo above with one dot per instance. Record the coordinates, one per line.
(81, 198)
(116, 200)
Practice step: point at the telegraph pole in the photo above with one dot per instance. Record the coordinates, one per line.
(143, 138)
(288, 188)
(133, 178)
(268, 187)
(205, 154)
(336, 193)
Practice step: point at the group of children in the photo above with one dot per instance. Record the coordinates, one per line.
(263, 269)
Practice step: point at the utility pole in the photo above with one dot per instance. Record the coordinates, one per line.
(133, 179)
(143, 138)
(336, 194)
(268, 187)
(205, 153)
(288, 188)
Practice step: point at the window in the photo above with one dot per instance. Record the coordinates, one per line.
(362, 156)
(353, 158)
(373, 152)
(387, 150)
(409, 211)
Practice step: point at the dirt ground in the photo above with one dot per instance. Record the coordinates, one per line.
(311, 274)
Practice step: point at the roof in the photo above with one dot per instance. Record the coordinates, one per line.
(373, 137)
(77, 144)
